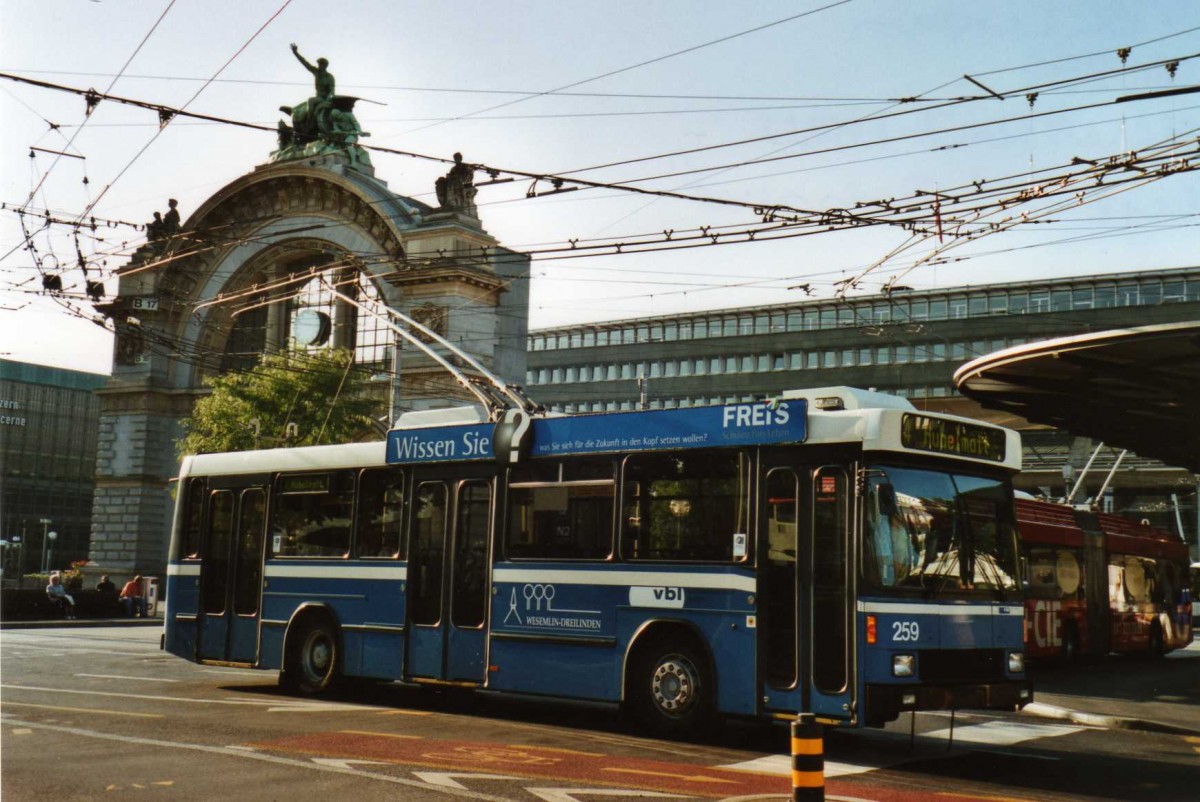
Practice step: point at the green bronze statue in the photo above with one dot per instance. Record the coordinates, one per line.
(324, 123)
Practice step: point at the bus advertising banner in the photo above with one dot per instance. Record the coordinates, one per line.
(731, 425)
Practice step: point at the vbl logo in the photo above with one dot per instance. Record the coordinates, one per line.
(656, 597)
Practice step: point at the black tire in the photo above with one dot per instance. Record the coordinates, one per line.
(1070, 648)
(1156, 647)
(671, 689)
(313, 662)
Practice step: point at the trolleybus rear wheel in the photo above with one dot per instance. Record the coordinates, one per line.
(671, 692)
(313, 660)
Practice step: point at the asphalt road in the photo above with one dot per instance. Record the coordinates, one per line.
(90, 714)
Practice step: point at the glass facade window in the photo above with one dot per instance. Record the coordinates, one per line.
(958, 308)
(847, 358)
(795, 321)
(1151, 292)
(829, 359)
(556, 376)
(1039, 301)
(937, 309)
(572, 374)
(701, 367)
(1173, 291)
(920, 310)
(1060, 300)
(747, 363)
(977, 305)
(998, 303)
(864, 356)
(902, 354)
(716, 365)
(589, 338)
(731, 364)
(812, 319)
(796, 360)
(762, 324)
(1018, 303)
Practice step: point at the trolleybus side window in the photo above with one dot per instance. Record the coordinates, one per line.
(561, 511)
(686, 506)
(1132, 580)
(193, 514)
(470, 564)
(830, 628)
(380, 514)
(216, 557)
(248, 576)
(312, 514)
(428, 552)
(1055, 573)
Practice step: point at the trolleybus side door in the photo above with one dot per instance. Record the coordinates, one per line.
(231, 574)
(449, 578)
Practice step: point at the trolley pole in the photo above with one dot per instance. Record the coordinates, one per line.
(808, 759)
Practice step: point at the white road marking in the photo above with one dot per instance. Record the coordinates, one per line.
(282, 706)
(995, 733)
(127, 740)
(446, 779)
(85, 650)
(121, 676)
(568, 794)
(344, 762)
(1002, 733)
(781, 766)
(22, 731)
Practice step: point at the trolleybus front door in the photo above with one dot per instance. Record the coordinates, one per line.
(231, 575)
(829, 625)
(448, 579)
(806, 644)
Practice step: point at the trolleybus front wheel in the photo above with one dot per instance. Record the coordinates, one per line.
(313, 660)
(671, 692)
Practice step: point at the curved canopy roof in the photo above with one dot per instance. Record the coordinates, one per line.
(1135, 388)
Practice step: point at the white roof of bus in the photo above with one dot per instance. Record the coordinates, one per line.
(315, 458)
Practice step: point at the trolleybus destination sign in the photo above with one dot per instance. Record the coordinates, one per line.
(952, 437)
(657, 430)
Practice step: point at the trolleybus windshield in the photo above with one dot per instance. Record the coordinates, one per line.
(939, 533)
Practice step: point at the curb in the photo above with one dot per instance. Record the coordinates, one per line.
(86, 623)
(1042, 710)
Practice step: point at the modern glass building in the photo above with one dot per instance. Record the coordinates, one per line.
(48, 429)
(907, 342)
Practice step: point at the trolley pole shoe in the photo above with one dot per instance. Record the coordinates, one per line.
(808, 759)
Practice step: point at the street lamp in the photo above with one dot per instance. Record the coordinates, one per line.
(53, 536)
(45, 522)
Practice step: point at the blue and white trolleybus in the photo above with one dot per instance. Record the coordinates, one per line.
(832, 551)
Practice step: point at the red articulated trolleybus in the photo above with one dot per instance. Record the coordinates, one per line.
(1100, 583)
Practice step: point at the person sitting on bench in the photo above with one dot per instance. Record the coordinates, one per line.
(58, 594)
(133, 598)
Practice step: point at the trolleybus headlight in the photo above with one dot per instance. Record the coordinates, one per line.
(904, 665)
(908, 699)
(1016, 662)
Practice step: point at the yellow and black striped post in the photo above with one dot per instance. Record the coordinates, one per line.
(808, 759)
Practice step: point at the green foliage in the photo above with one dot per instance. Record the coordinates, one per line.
(293, 387)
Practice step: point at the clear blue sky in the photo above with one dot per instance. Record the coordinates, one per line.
(437, 66)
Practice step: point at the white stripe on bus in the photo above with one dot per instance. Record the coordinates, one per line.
(191, 569)
(933, 608)
(713, 581)
(394, 571)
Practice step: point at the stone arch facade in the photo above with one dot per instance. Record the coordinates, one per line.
(173, 314)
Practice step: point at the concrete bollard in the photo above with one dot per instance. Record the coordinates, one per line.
(808, 759)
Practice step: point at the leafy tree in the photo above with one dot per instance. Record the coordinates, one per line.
(322, 392)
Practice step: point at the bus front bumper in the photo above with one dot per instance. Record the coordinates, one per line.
(886, 702)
